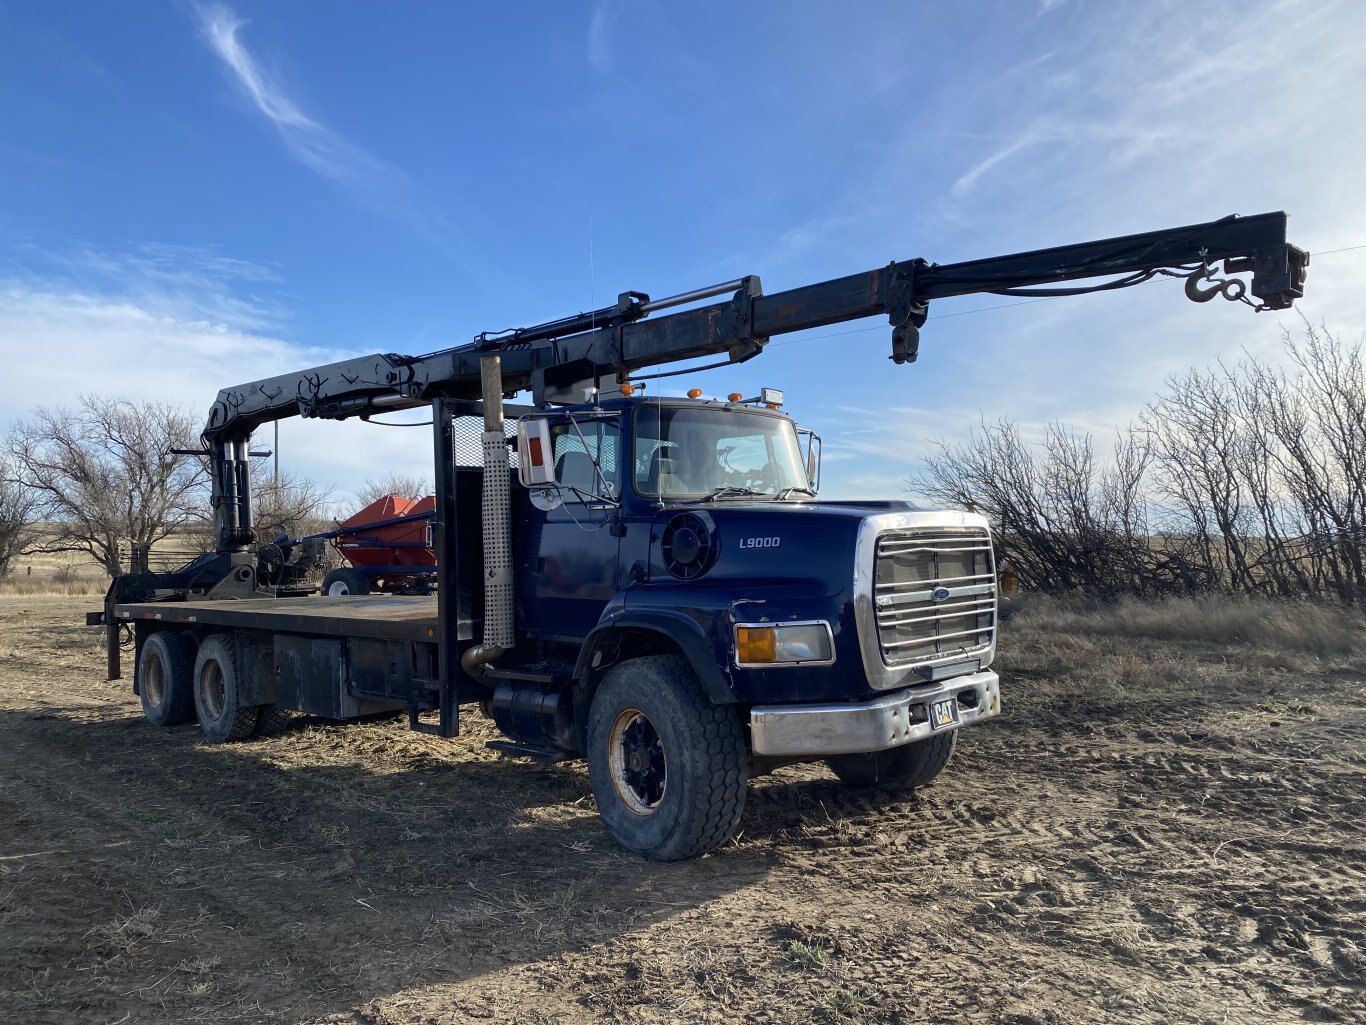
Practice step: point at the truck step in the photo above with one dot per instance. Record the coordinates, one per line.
(558, 675)
(516, 750)
(431, 729)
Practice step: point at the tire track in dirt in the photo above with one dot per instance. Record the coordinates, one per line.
(1104, 857)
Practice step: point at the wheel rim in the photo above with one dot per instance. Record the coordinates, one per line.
(639, 768)
(154, 680)
(212, 690)
(338, 588)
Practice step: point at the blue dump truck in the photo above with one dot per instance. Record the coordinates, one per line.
(649, 583)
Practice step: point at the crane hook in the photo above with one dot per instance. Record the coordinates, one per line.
(1231, 289)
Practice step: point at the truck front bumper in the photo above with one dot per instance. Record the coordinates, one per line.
(901, 717)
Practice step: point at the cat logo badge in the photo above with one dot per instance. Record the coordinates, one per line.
(944, 713)
(939, 594)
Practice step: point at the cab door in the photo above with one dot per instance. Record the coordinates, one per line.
(569, 568)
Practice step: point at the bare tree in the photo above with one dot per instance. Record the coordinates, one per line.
(105, 476)
(288, 503)
(1316, 418)
(402, 484)
(1246, 477)
(1268, 468)
(1203, 456)
(1063, 520)
(18, 510)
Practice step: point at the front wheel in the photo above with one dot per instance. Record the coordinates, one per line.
(667, 766)
(897, 768)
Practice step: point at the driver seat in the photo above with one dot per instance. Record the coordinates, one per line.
(660, 478)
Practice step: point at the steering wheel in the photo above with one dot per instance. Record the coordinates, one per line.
(760, 477)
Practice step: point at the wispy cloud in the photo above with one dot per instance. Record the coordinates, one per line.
(173, 323)
(370, 180)
(600, 34)
(1123, 141)
(187, 284)
(964, 183)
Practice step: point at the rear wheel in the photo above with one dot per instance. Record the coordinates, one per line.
(667, 766)
(345, 581)
(165, 678)
(272, 720)
(897, 768)
(217, 694)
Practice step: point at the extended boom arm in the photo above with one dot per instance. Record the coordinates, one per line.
(552, 359)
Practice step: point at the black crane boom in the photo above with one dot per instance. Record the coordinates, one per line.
(554, 360)
(619, 340)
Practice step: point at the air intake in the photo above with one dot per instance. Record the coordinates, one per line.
(689, 545)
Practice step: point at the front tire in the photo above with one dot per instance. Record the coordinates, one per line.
(897, 768)
(165, 677)
(667, 766)
(217, 694)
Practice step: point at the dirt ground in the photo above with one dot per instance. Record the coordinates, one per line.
(1155, 831)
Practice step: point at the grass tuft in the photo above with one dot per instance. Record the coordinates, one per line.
(807, 957)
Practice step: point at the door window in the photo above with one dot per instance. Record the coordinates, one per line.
(586, 463)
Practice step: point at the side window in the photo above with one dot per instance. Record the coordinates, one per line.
(576, 449)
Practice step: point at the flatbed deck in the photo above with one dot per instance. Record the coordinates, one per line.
(387, 616)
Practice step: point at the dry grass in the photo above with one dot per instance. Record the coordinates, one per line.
(1314, 628)
(58, 573)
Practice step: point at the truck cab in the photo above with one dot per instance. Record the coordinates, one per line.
(681, 541)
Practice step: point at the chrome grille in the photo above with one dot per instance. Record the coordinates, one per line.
(912, 627)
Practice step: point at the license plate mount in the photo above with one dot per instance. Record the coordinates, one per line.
(944, 714)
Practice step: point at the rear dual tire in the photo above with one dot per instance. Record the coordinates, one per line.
(217, 693)
(165, 679)
(175, 684)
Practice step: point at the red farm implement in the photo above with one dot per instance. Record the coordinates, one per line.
(389, 547)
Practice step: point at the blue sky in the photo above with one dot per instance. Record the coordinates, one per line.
(197, 195)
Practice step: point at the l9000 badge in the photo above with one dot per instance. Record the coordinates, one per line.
(760, 542)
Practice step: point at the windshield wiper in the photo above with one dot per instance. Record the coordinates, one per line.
(728, 491)
(787, 491)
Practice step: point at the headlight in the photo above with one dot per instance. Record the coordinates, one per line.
(761, 644)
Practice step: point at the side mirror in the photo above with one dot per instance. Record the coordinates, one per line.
(813, 458)
(535, 462)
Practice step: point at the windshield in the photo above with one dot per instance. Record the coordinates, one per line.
(700, 451)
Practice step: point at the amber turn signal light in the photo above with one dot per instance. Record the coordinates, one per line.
(756, 644)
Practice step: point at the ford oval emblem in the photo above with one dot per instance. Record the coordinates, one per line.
(939, 594)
